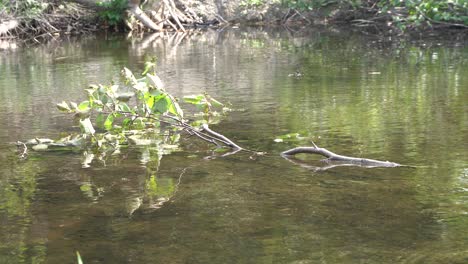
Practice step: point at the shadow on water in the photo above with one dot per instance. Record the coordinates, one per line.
(354, 95)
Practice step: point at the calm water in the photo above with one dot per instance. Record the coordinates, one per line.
(399, 101)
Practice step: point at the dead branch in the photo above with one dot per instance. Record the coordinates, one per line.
(226, 140)
(333, 157)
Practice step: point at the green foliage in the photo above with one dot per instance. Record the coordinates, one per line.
(404, 13)
(429, 11)
(136, 111)
(114, 11)
(203, 102)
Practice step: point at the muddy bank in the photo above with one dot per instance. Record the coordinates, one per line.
(59, 18)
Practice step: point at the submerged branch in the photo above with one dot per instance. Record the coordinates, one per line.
(317, 168)
(333, 157)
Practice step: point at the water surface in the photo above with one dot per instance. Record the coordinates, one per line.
(355, 95)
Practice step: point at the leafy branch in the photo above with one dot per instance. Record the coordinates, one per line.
(140, 111)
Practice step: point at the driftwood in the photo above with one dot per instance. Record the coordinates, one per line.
(338, 160)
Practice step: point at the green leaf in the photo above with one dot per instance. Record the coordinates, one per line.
(100, 119)
(149, 100)
(194, 99)
(109, 121)
(63, 106)
(126, 123)
(174, 107)
(148, 66)
(128, 75)
(139, 124)
(155, 81)
(86, 126)
(104, 98)
(155, 92)
(73, 105)
(83, 106)
(123, 107)
(161, 104)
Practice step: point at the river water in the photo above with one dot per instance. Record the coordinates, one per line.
(355, 95)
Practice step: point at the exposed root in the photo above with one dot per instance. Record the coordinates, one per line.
(162, 15)
(55, 20)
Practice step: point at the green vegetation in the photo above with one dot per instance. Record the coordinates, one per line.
(109, 118)
(400, 14)
(48, 17)
(113, 12)
(416, 12)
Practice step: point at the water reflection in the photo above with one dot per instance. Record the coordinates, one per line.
(356, 96)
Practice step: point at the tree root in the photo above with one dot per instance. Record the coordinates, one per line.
(54, 21)
(165, 14)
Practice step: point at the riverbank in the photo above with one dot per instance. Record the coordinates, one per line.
(41, 19)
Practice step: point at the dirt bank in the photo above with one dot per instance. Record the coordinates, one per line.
(58, 18)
